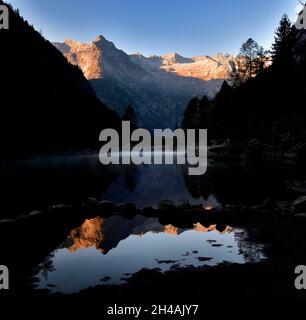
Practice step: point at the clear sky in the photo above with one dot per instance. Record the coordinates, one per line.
(193, 27)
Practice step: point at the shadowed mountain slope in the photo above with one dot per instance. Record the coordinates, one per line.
(47, 104)
(158, 88)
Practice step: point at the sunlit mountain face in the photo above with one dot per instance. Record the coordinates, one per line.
(88, 235)
(158, 87)
(110, 250)
(92, 233)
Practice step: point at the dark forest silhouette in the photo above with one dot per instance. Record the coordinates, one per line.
(47, 104)
(270, 106)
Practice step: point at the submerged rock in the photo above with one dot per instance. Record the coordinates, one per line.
(106, 278)
(165, 261)
(105, 205)
(92, 201)
(58, 207)
(35, 213)
(6, 221)
(300, 215)
(165, 204)
(204, 259)
(185, 205)
(125, 207)
(298, 187)
(300, 203)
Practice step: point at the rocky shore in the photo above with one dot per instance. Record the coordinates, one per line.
(183, 213)
(278, 225)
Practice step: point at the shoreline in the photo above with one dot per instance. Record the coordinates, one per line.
(281, 233)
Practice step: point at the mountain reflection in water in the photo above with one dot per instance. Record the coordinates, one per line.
(44, 181)
(109, 250)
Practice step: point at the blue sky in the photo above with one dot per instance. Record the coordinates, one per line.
(193, 27)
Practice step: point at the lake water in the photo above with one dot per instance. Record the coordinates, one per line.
(109, 251)
(36, 184)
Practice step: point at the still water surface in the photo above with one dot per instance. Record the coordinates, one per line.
(109, 251)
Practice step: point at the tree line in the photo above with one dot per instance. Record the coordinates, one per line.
(266, 97)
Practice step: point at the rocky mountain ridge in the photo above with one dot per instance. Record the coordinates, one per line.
(158, 87)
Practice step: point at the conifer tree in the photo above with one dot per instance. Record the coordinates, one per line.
(282, 49)
(195, 113)
(249, 52)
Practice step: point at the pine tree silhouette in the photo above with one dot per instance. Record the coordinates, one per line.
(282, 49)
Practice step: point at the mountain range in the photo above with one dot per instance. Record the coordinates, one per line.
(157, 87)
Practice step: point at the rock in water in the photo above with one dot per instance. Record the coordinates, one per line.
(300, 203)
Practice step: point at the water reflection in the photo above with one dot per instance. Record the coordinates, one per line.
(148, 185)
(44, 181)
(109, 250)
(89, 234)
